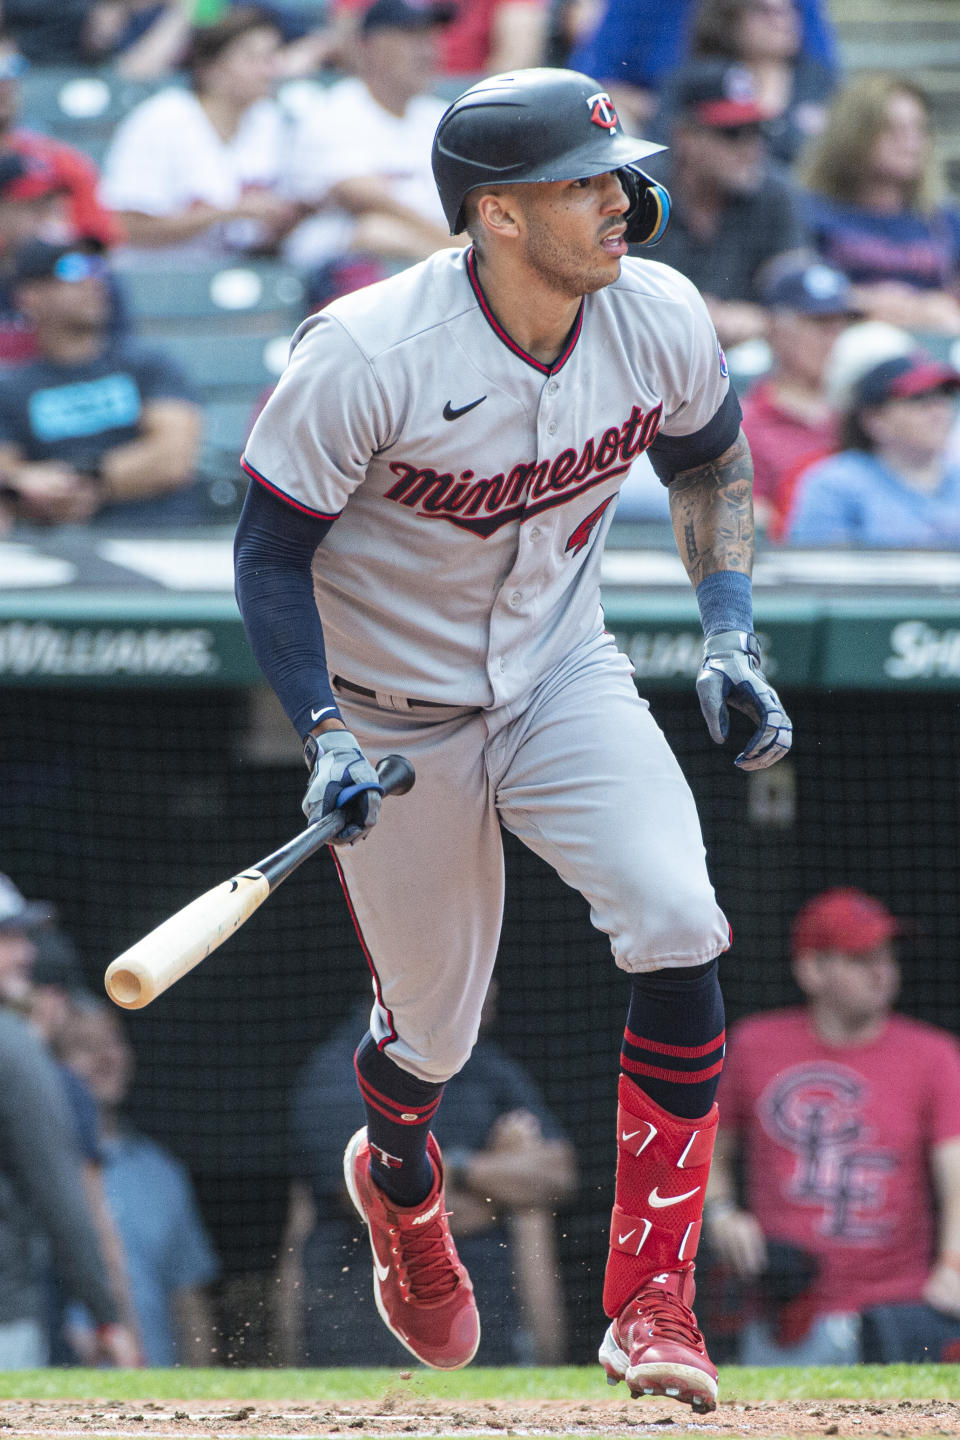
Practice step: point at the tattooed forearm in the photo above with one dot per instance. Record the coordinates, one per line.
(712, 512)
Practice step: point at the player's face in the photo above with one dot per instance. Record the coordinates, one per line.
(573, 231)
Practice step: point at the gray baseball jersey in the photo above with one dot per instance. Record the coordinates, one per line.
(476, 487)
(476, 484)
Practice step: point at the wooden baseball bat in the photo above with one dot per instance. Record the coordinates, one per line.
(164, 956)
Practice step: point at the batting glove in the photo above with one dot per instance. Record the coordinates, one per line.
(730, 674)
(341, 778)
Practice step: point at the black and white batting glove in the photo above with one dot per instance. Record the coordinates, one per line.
(730, 674)
(341, 778)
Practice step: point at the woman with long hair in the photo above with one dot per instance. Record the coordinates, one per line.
(877, 208)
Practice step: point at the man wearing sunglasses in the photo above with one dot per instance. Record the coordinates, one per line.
(96, 428)
(733, 212)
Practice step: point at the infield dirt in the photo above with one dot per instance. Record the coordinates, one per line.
(402, 1413)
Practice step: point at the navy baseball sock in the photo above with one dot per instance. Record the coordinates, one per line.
(399, 1110)
(674, 1038)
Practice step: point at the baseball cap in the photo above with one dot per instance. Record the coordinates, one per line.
(844, 919)
(809, 288)
(44, 260)
(902, 376)
(406, 15)
(17, 913)
(718, 94)
(25, 177)
(57, 962)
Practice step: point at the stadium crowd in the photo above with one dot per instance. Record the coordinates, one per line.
(807, 201)
(288, 144)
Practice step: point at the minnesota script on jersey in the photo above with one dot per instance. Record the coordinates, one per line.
(476, 484)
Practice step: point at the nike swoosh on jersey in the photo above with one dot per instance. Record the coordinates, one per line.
(658, 1201)
(450, 414)
(327, 710)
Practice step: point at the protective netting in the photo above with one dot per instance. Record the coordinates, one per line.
(123, 805)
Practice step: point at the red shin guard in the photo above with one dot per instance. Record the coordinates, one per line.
(662, 1168)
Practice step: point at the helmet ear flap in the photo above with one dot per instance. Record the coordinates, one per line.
(649, 213)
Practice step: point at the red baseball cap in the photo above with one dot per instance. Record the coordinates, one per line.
(843, 919)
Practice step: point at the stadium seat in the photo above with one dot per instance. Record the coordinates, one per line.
(239, 367)
(80, 105)
(261, 297)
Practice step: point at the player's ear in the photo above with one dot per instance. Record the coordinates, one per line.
(498, 211)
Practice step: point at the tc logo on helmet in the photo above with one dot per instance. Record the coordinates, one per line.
(603, 113)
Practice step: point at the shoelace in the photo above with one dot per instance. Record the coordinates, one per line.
(425, 1261)
(668, 1317)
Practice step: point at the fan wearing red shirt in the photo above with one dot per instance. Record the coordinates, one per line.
(846, 1118)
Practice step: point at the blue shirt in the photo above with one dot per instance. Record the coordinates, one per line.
(912, 248)
(854, 499)
(638, 41)
(165, 1244)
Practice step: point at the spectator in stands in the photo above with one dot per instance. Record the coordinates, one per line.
(56, 983)
(846, 1117)
(507, 1166)
(788, 416)
(486, 37)
(56, 32)
(95, 428)
(150, 39)
(763, 36)
(636, 43)
(733, 212)
(45, 1199)
(371, 178)
(876, 206)
(894, 482)
(72, 169)
(150, 1194)
(199, 171)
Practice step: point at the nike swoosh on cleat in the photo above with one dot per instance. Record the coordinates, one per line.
(658, 1201)
(622, 1239)
(383, 1271)
(450, 414)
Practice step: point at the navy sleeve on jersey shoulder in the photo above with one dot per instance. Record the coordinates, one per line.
(274, 548)
(669, 454)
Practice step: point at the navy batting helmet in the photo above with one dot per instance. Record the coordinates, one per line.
(543, 124)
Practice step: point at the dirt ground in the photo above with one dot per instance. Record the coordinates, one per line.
(403, 1413)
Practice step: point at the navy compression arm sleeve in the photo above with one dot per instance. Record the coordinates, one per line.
(273, 552)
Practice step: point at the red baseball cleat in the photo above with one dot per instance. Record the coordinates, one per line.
(654, 1344)
(423, 1293)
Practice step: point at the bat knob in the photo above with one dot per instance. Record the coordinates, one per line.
(396, 774)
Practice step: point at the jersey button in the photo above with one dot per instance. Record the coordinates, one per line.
(535, 533)
(501, 665)
(515, 599)
(552, 388)
(552, 428)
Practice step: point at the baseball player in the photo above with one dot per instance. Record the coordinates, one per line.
(418, 566)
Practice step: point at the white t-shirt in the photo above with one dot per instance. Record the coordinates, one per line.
(166, 156)
(344, 133)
